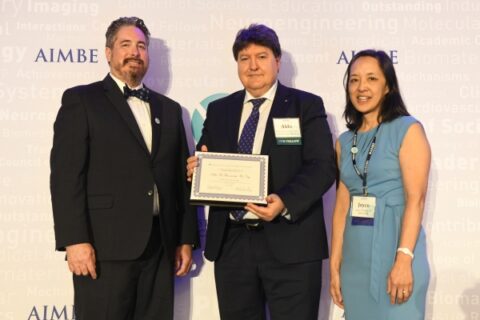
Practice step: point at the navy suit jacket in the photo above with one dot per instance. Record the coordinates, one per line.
(102, 174)
(299, 174)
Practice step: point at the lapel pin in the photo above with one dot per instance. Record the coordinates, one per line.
(157, 121)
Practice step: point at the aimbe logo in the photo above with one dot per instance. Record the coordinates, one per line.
(346, 56)
(199, 115)
(52, 312)
(58, 55)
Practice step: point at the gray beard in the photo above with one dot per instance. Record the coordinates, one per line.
(134, 77)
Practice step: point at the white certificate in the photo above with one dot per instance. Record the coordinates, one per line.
(226, 179)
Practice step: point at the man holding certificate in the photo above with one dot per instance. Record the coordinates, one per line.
(269, 254)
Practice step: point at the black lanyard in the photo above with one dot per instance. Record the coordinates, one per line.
(354, 151)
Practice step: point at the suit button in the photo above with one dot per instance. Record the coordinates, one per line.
(150, 192)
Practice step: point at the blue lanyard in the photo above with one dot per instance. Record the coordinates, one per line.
(354, 151)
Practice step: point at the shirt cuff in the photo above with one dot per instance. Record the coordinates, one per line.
(285, 214)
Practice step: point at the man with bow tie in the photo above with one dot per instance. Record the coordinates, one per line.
(270, 254)
(120, 202)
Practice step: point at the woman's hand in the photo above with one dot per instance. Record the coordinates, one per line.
(336, 288)
(400, 279)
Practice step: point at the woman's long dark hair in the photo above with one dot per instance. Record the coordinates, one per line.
(392, 106)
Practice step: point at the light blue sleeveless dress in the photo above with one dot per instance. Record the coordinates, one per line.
(369, 251)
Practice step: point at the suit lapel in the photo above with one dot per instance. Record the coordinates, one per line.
(279, 110)
(156, 112)
(234, 116)
(115, 96)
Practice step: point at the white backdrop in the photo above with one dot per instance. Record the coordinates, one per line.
(47, 46)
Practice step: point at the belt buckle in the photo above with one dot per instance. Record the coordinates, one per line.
(253, 226)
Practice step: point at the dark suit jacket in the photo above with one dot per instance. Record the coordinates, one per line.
(102, 174)
(300, 175)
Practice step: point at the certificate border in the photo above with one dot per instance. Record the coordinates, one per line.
(196, 195)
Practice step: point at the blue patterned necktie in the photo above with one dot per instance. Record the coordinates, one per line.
(142, 93)
(245, 144)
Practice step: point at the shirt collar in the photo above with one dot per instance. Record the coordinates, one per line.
(269, 95)
(122, 84)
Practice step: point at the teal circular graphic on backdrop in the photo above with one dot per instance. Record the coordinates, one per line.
(198, 117)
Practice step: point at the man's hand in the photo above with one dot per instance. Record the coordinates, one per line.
(192, 163)
(183, 259)
(274, 206)
(81, 259)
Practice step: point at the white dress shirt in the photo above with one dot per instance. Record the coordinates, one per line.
(264, 111)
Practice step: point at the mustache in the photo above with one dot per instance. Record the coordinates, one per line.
(139, 61)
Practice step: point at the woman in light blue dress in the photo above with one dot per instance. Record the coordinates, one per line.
(379, 267)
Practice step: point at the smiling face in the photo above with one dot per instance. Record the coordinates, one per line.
(128, 57)
(367, 86)
(257, 69)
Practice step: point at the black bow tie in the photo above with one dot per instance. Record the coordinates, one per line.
(142, 93)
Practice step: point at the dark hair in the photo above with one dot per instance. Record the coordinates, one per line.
(122, 22)
(392, 106)
(257, 34)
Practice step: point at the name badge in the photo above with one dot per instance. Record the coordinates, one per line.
(363, 210)
(287, 131)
